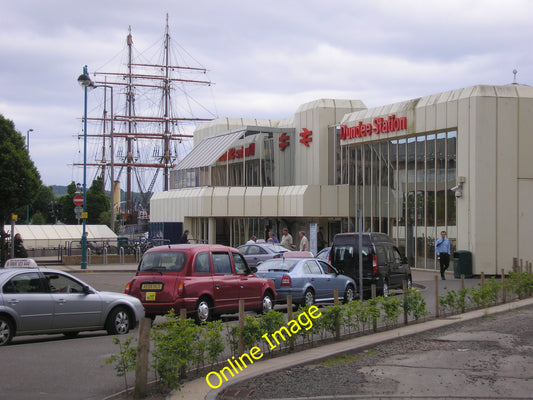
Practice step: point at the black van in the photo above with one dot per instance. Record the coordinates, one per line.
(383, 265)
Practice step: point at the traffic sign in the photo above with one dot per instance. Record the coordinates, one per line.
(78, 200)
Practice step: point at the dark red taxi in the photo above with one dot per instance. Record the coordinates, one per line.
(206, 280)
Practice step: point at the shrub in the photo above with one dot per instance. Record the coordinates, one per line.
(174, 348)
(415, 304)
(125, 360)
(392, 308)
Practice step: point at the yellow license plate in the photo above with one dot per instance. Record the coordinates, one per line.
(150, 296)
(152, 286)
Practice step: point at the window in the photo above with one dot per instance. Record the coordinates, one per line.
(202, 264)
(240, 264)
(62, 284)
(326, 267)
(173, 261)
(222, 264)
(311, 267)
(24, 283)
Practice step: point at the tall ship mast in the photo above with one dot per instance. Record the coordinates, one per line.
(146, 135)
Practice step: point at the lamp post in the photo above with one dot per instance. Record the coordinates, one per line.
(85, 81)
(28, 148)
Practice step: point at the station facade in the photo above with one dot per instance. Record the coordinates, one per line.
(457, 161)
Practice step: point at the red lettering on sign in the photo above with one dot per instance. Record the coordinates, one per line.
(379, 125)
(240, 152)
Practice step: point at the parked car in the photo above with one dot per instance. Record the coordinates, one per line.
(383, 265)
(307, 280)
(259, 252)
(206, 280)
(324, 254)
(37, 300)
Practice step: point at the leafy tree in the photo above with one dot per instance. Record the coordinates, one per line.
(19, 180)
(67, 203)
(97, 201)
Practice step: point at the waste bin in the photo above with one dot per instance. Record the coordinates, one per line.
(462, 264)
(122, 241)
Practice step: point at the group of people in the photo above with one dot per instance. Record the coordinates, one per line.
(287, 240)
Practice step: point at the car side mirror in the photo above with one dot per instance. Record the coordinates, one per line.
(253, 269)
(86, 289)
(405, 260)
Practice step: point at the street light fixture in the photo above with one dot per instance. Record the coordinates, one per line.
(28, 148)
(86, 83)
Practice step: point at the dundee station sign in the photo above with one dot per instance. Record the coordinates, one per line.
(378, 125)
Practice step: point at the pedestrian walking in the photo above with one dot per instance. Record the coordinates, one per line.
(442, 249)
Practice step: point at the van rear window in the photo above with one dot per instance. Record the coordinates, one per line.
(163, 261)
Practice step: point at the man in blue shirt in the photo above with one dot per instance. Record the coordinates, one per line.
(442, 248)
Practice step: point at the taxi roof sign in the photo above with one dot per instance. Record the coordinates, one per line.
(21, 263)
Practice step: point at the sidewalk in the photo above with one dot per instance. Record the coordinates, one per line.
(198, 389)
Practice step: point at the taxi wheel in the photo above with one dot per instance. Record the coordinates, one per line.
(6, 330)
(203, 310)
(267, 304)
(119, 321)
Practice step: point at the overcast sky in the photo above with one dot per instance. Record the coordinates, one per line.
(265, 58)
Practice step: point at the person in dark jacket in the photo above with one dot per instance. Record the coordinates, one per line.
(20, 251)
(184, 238)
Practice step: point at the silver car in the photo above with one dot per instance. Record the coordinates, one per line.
(37, 300)
(258, 252)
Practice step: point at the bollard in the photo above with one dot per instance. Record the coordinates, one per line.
(373, 292)
(482, 280)
(405, 313)
(436, 296)
(183, 313)
(503, 286)
(337, 322)
(289, 318)
(241, 326)
(143, 352)
(462, 290)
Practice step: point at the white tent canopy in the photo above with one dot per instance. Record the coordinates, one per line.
(51, 236)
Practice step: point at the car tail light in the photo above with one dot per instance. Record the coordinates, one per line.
(277, 255)
(127, 289)
(286, 280)
(180, 289)
(374, 264)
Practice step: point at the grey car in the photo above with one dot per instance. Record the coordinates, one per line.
(307, 280)
(44, 301)
(259, 252)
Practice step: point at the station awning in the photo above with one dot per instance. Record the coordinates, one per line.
(208, 151)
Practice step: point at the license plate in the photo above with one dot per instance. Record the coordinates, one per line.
(152, 286)
(150, 296)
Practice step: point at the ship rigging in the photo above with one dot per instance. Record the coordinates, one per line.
(149, 133)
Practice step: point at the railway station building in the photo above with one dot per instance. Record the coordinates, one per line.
(458, 161)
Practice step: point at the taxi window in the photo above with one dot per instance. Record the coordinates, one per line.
(222, 264)
(62, 284)
(202, 264)
(169, 261)
(24, 283)
(240, 264)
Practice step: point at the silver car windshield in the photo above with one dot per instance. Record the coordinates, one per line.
(164, 261)
(277, 265)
